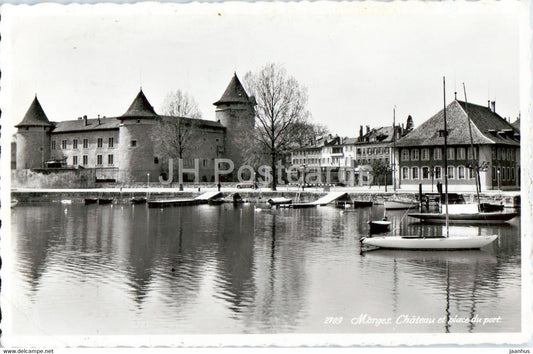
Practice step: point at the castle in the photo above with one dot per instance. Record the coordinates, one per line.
(125, 149)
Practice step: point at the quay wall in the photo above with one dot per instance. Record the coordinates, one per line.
(253, 196)
(53, 178)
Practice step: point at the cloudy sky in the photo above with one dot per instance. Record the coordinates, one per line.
(358, 60)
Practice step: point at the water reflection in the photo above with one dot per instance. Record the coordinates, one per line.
(225, 269)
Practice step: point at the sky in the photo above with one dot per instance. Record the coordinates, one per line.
(358, 60)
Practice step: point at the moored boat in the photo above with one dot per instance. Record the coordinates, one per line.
(216, 201)
(362, 203)
(138, 200)
(14, 203)
(279, 201)
(455, 242)
(105, 200)
(88, 201)
(377, 226)
(397, 204)
(465, 218)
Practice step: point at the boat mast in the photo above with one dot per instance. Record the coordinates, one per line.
(394, 148)
(474, 160)
(445, 133)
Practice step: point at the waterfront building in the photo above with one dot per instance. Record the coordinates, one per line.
(126, 148)
(496, 147)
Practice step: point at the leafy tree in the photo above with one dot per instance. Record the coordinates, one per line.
(281, 105)
(380, 170)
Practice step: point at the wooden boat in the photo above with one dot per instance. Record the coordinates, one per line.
(343, 204)
(14, 203)
(138, 200)
(454, 242)
(377, 226)
(396, 204)
(488, 207)
(105, 201)
(216, 201)
(362, 203)
(88, 201)
(465, 218)
(279, 201)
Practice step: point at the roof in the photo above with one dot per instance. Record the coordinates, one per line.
(140, 108)
(201, 123)
(35, 116)
(516, 124)
(487, 128)
(235, 93)
(78, 125)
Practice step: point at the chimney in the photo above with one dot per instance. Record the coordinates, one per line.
(368, 129)
(98, 119)
(85, 120)
(360, 130)
(493, 106)
(488, 104)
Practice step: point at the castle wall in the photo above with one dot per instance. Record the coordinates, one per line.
(33, 147)
(53, 178)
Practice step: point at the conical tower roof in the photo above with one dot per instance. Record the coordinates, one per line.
(35, 116)
(235, 93)
(140, 107)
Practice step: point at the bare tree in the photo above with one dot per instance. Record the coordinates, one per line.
(175, 130)
(280, 106)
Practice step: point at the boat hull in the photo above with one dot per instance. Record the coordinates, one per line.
(379, 226)
(465, 218)
(396, 204)
(430, 243)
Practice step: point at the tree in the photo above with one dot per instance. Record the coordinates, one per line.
(174, 132)
(280, 107)
(380, 169)
(306, 133)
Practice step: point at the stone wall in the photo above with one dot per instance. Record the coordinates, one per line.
(53, 178)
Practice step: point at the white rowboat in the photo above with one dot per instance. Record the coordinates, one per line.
(400, 204)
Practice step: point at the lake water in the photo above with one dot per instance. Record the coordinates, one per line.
(121, 269)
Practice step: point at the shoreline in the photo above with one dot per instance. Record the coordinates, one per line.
(510, 199)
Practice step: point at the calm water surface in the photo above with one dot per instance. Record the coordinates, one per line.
(98, 270)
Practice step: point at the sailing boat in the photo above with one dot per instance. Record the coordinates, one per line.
(469, 213)
(447, 242)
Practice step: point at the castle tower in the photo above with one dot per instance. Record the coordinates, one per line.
(235, 111)
(33, 138)
(135, 147)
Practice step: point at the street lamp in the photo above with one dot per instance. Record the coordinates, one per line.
(303, 177)
(498, 174)
(148, 180)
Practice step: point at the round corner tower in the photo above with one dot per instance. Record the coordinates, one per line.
(235, 111)
(135, 146)
(33, 138)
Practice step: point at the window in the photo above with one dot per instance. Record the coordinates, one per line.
(370, 151)
(437, 154)
(133, 143)
(111, 142)
(85, 160)
(99, 159)
(493, 153)
(100, 142)
(156, 160)
(204, 163)
(451, 154)
(386, 150)
(425, 172)
(414, 155)
(109, 159)
(509, 154)
(415, 173)
(470, 156)
(63, 144)
(405, 172)
(471, 172)
(425, 154)
(450, 172)
(461, 172)
(75, 160)
(75, 143)
(405, 155)
(438, 172)
(494, 173)
(460, 153)
(358, 151)
(512, 174)
(85, 143)
(53, 144)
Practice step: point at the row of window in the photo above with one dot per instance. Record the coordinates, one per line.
(372, 151)
(99, 160)
(459, 172)
(84, 143)
(424, 154)
(504, 154)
